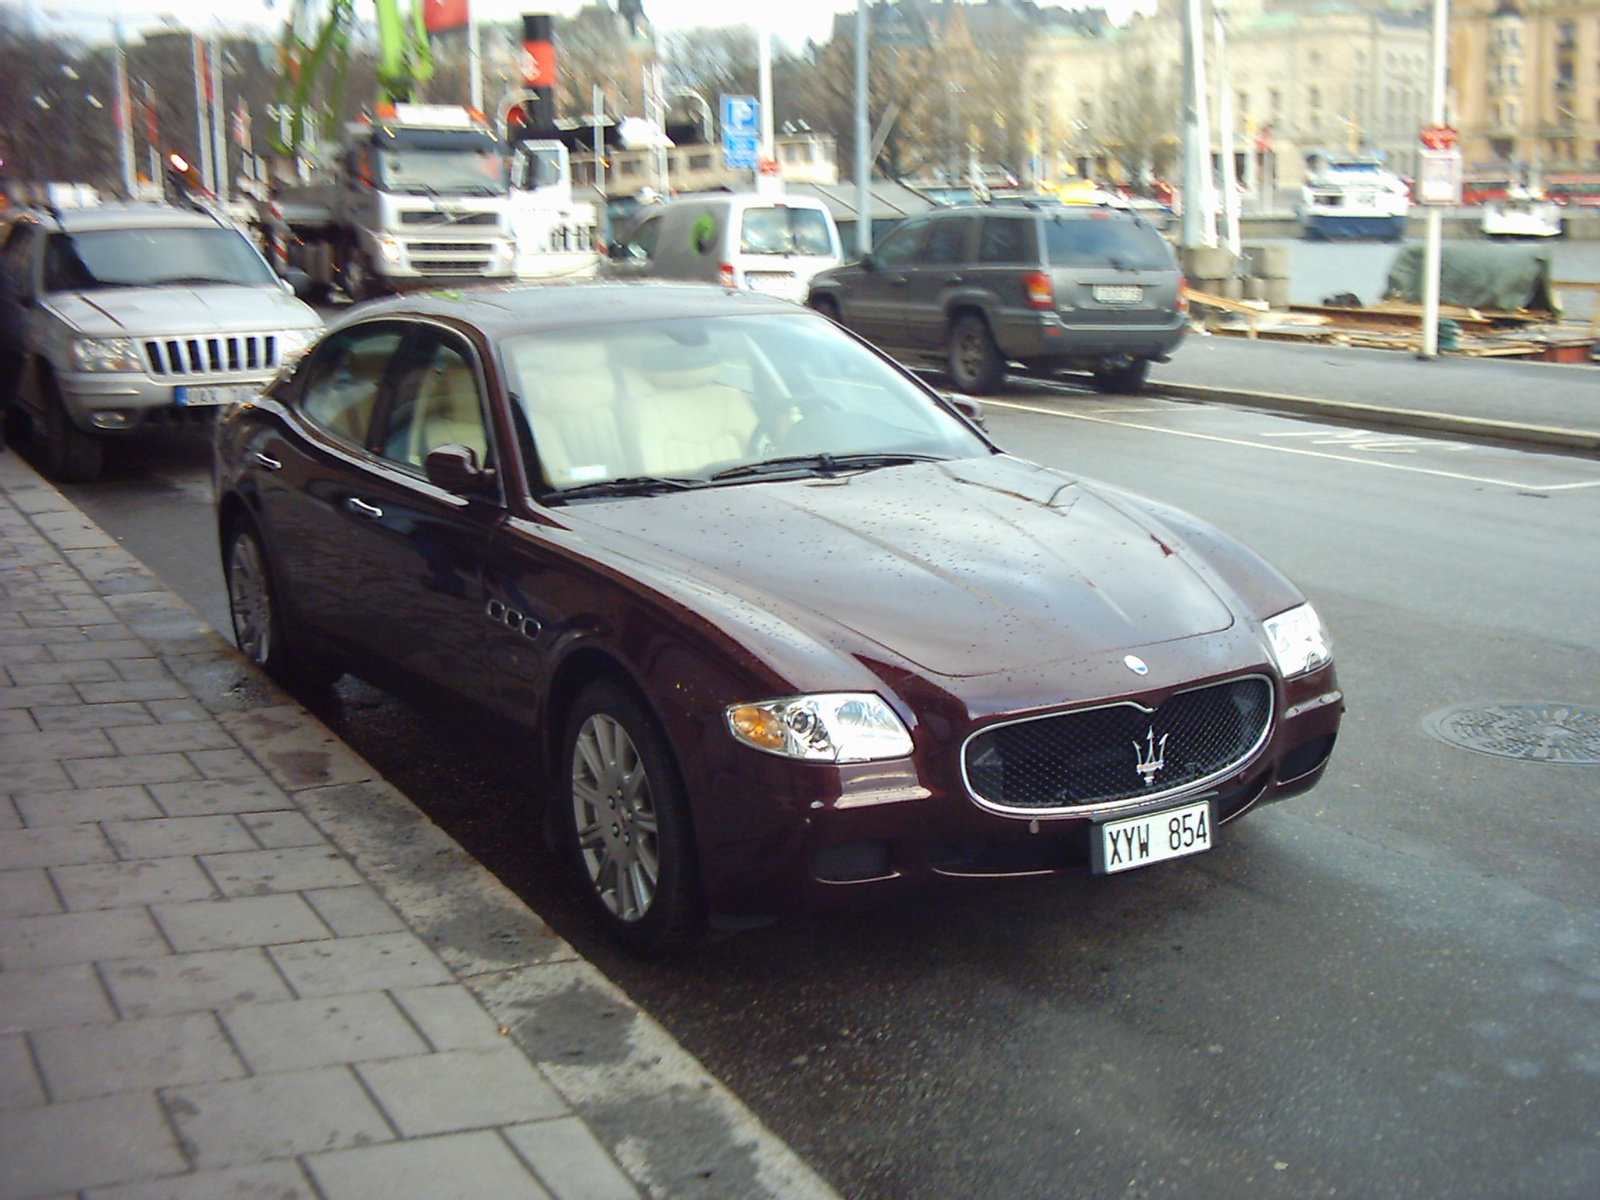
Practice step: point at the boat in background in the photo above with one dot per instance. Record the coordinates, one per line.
(1526, 212)
(1353, 197)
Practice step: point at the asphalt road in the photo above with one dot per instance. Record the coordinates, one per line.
(1389, 987)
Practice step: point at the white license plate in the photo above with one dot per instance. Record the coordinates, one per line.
(1118, 293)
(769, 281)
(196, 397)
(1152, 838)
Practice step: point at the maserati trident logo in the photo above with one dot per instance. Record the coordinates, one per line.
(1135, 664)
(1151, 756)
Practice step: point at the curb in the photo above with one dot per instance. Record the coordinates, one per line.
(1575, 441)
(675, 1129)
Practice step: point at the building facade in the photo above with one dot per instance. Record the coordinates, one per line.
(1525, 84)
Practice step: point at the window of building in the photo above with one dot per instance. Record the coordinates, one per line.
(700, 162)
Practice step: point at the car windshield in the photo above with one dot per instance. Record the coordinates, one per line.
(443, 172)
(784, 230)
(1099, 240)
(151, 257)
(697, 401)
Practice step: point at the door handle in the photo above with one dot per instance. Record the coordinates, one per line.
(362, 509)
(897, 279)
(952, 279)
(266, 461)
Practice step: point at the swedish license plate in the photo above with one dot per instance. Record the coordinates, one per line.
(197, 397)
(1152, 838)
(1118, 293)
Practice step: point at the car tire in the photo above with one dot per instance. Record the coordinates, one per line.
(975, 364)
(627, 823)
(358, 279)
(1126, 378)
(259, 628)
(70, 454)
(828, 307)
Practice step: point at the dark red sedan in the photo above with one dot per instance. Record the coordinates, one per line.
(787, 628)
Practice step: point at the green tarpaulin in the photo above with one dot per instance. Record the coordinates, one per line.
(1485, 276)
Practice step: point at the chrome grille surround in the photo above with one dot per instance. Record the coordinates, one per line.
(211, 355)
(1110, 749)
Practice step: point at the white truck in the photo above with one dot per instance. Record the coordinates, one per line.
(417, 197)
(557, 236)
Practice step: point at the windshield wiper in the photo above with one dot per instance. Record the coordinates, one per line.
(825, 464)
(631, 485)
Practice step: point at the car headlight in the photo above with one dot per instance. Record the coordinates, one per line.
(1298, 641)
(292, 343)
(106, 354)
(837, 727)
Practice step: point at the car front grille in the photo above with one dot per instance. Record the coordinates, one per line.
(1119, 752)
(233, 354)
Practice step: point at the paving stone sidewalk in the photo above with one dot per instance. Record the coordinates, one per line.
(235, 963)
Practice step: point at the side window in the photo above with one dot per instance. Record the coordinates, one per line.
(902, 246)
(64, 271)
(948, 242)
(342, 382)
(1007, 240)
(436, 403)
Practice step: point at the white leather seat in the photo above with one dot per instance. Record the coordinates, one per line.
(684, 418)
(570, 396)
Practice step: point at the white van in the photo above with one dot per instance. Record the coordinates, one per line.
(771, 244)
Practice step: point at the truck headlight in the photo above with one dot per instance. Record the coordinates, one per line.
(837, 727)
(389, 248)
(106, 354)
(507, 251)
(1298, 641)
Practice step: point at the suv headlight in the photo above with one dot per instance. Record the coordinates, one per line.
(106, 354)
(292, 343)
(1298, 641)
(836, 727)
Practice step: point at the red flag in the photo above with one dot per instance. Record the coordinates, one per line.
(441, 15)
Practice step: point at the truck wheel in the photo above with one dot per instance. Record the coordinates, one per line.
(975, 362)
(71, 455)
(358, 278)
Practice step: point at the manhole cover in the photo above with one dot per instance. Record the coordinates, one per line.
(1539, 732)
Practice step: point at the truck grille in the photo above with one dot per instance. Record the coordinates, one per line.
(450, 247)
(249, 353)
(1120, 751)
(444, 218)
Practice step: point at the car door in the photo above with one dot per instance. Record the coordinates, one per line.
(936, 274)
(877, 302)
(306, 461)
(417, 549)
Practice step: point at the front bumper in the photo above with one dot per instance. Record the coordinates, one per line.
(836, 836)
(114, 402)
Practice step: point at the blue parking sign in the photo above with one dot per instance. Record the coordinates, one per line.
(741, 132)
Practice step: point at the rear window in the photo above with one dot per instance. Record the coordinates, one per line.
(785, 231)
(1105, 241)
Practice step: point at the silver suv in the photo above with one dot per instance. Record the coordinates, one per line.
(120, 315)
(1042, 285)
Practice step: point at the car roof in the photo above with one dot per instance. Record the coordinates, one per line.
(501, 310)
(130, 216)
(1044, 206)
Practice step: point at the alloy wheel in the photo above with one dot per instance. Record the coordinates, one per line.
(249, 600)
(613, 810)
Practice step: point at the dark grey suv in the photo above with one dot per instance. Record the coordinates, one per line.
(1046, 286)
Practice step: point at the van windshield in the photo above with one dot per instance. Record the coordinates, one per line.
(784, 230)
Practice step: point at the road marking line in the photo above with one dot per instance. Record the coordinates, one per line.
(1228, 441)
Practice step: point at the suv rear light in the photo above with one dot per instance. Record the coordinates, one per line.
(1036, 288)
(725, 275)
(1183, 295)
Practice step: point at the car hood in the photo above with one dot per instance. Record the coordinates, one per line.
(962, 568)
(165, 310)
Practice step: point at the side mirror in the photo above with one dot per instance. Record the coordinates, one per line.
(298, 282)
(866, 263)
(969, 407)
(455, 468)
